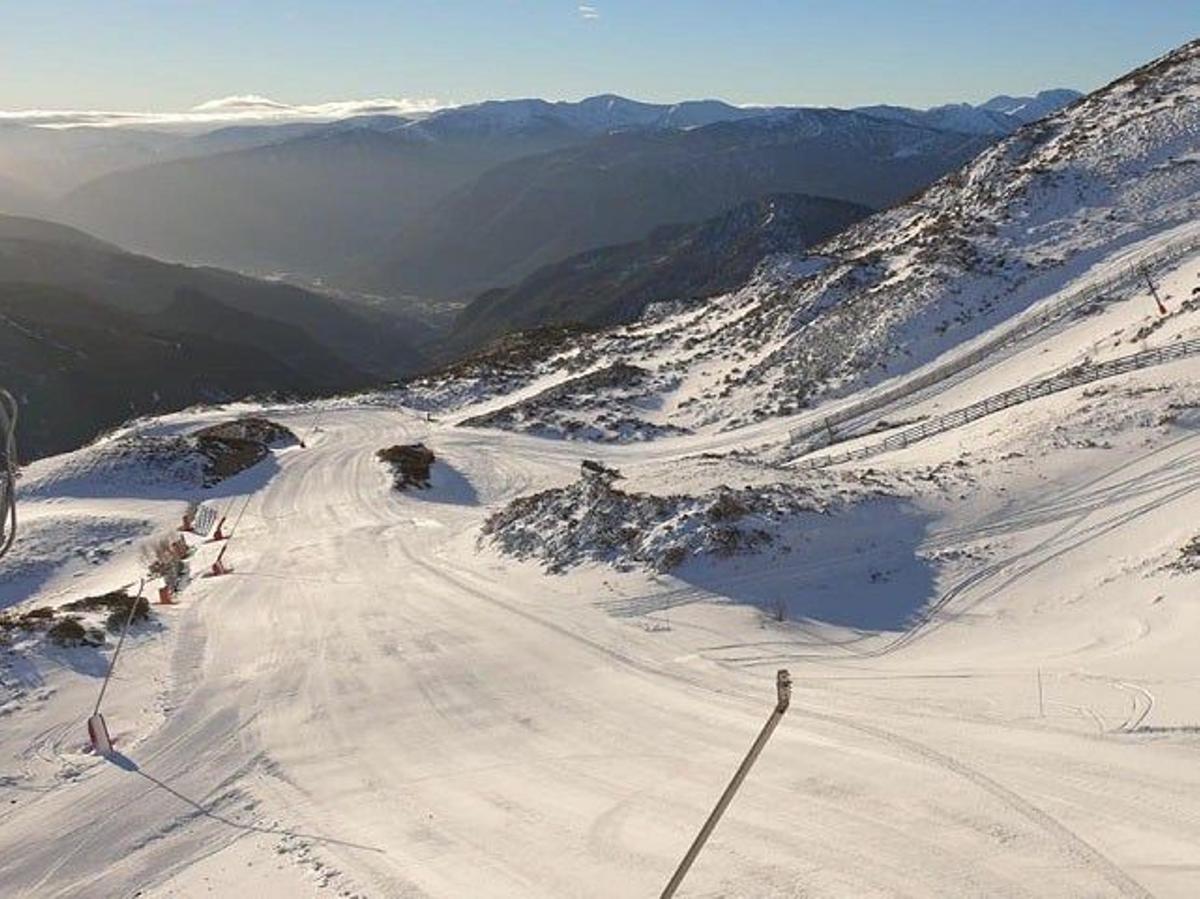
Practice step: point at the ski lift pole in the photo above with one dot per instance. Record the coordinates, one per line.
(783, 689)
(112, 663)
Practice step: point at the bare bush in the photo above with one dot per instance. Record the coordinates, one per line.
(410, 464)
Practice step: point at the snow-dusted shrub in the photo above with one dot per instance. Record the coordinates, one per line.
(116, 604)
(81, 622)
(135, 461)
(29, 620)
(70, 631)
(506, 364)
(591, 520)
(601, 406)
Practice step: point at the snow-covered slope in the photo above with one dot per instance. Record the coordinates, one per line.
(534, 678)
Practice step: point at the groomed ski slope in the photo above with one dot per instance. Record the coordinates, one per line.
(373, 705)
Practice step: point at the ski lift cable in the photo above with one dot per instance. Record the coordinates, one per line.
(8, 471)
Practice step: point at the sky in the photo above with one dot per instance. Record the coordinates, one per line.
(176, 55)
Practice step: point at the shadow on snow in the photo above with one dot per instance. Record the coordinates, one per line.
(857, 568)
(447, 486)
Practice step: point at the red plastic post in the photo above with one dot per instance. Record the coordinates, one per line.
(218, 566)
(98, 734)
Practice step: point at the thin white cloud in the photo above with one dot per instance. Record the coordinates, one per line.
(240, 109)
(586, 11)
(241, 103)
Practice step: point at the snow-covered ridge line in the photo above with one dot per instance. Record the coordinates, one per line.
(1007, 399)
(1024, 327)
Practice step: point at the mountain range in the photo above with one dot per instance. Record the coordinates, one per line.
(501, 629)
(617, 187)
(380, 202)
(525, 213)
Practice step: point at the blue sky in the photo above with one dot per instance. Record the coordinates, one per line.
(174, 54)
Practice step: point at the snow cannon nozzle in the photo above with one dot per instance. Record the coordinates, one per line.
(783, 689)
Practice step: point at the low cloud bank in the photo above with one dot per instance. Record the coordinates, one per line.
(234, 110)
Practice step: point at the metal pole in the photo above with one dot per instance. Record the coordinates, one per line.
(9, 411)
(112, 663)
(238, 520)
(1162, 310)
(783, 689)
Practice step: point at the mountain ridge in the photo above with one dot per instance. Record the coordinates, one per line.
(536, 210)
(678, 263)
(93, 334)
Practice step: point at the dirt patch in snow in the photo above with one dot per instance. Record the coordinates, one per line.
(252, 428)
(231, 447)
(1188, 561)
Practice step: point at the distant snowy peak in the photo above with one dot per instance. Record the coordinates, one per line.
(594, 115)
(1029, 109)
(698, 113)
(608, 112)
(961, 117)
(999, 116)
